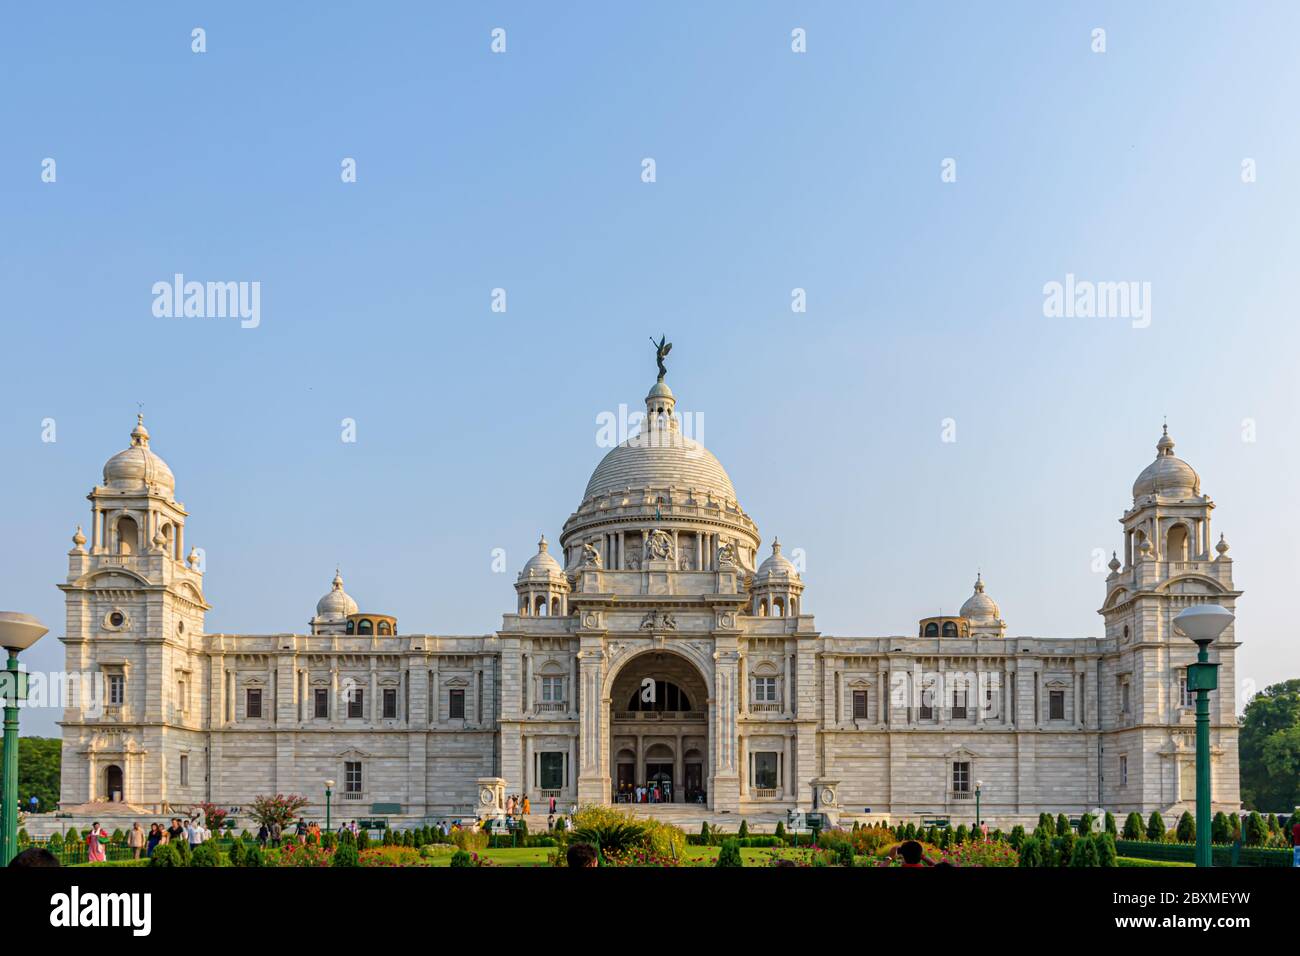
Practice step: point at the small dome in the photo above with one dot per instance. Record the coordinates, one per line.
(336, 605)
(137, 466)
(1168, 476)
(542, 564)
(979, 606)
(777, 565)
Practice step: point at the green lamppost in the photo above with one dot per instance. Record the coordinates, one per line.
(979, 785)
(1203, 623)
(329, 790)
(17, 633)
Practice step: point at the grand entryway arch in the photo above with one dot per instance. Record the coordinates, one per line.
(659, 731)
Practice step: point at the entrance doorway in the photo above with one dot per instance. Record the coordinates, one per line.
(113, 783)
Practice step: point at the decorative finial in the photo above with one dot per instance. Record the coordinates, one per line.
(338, 579)
(979, 582)
(1114, 561)
(139, 434)
(541, 545)
(1222, 546)
(776, 545)
(78, 538)
(193, 559)
(1165, 446)
(662, 348)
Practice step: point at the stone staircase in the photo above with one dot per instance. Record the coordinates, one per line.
(686, 816)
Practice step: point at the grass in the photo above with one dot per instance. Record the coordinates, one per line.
(1134, 861)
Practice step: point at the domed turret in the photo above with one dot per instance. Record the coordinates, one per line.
(1168, 476)
(336, 605)
(983, 613)
(137, 467)
(542, 587)
(777, 586)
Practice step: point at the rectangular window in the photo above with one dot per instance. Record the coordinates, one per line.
(927, 704)
(1124, 699)
(182, 704)
(1123, 770)
(961, 776)
(859, 705)
(959, 705)
(253, 703)
(1056, 705)
(550, 770)
(456, 704)
(116, 689)
(352, 776)
(553, 690)
(185, 770)
(765, 690)
(1186, 697)
(356, 702)
(321, 703)
(765, 771)
(390, 703)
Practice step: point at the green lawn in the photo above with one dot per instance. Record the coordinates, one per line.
(1134, 861)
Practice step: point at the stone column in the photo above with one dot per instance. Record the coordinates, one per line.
(678, 771)
(593, 787)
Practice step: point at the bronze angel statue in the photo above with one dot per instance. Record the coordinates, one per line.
(662, 348)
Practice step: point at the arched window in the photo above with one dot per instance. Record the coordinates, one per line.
(762, 608)
(555, 607)
(666, 696)
(365, 626)
(352, 627)
(1176, 543)
(932, 629)
(523, 607)
(949, 629)
(384, 628)
(778, 607)
(539, 605)
(128, 535)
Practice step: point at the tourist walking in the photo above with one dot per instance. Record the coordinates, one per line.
(135, 840)
(263, 834)
(95, 843)
(275, 833)
(155, 837)
(175, 831)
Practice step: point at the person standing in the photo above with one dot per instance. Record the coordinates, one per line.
(1295, 838)
(135, 840)
(528, 807)
(95, 843)
(155, 837)
(275, 833)
(175, 831)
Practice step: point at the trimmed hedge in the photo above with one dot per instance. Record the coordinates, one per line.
(1186, 853)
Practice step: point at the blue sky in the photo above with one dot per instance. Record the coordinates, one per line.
(477, 430)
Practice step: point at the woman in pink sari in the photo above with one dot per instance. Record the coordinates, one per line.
(95, 843)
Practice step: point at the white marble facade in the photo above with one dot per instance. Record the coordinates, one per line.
(656, 642)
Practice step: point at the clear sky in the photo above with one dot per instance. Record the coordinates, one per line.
(775, 170)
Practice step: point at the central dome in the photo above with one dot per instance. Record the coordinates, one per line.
(138, 466)
(659, 455)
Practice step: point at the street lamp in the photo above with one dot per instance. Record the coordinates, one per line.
(979, 785)
(329, 789)
(17, 633)
(1203, 623)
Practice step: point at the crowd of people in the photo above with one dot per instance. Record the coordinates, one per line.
(644, 793)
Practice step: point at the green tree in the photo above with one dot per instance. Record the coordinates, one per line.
(1186, 830)
(1220, 828)
(780, 830)
(238, 850)
(166, 856)
(1156, 827)
(1063, 824)
(205, 854)
(347, 855)
(1106, 854)
(1109, 825)
(254, 858)
(743, 832)
(1031, 854)
(1084, 852)
(1268, 746)
(1046, 825)
(1133, 829)
(281, 808)
(961, 835)
(1256, 831)
(1017, 836)
(38, 771)
(461, 858)
(729, 855)
(1064, 847)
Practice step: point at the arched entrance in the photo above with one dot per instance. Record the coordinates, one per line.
(659, 731)
(113, 788)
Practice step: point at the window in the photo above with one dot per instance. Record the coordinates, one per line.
(356, 702)
(1056, 705)
(185, 770)
(949, 629)
(116, 689)
(352, 776)
(253, 703)
(553, 690)
(321, 703)
(1124, 700)
(665, 695)
(456, 704)
(959, 705)
(1123, 770)
(961, 776)
(384, 628)
(182, 703)
(765, 771)
(390, 703)
(1186, 697)
(932, 630)
(550, 770)
(859, 705)
(927, 703)
(764, 690)
(365, 626)
(117, 619)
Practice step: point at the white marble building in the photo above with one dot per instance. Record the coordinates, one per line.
(658, 641)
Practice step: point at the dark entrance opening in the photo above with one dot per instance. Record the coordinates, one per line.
(113, 782)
